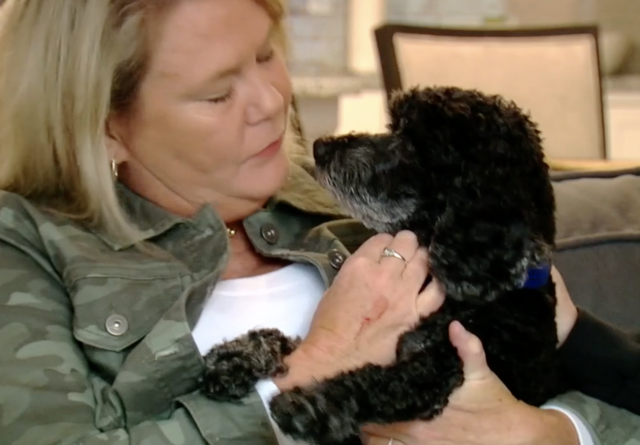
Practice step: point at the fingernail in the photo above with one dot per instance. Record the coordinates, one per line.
(474, 345)
(458, 327)
(462, 331)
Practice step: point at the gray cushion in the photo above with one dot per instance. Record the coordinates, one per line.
(598, 242)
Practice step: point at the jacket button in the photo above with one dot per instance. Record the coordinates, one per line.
(336, 258)
(116, 325)
(270, 233)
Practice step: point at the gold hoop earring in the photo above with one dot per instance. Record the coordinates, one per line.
(114, 170)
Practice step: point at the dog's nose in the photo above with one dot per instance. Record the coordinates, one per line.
(319, 149)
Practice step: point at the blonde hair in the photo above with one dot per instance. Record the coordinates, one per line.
(65, 65)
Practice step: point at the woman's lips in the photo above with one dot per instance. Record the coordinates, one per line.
(271, 149)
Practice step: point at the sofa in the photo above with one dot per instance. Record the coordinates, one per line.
(598, 242)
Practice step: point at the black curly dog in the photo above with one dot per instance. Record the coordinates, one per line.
(465, 172)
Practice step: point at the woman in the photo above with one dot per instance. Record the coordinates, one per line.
(151, 210)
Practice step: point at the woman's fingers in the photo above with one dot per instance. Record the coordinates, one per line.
(470, 351)
(417, 268)
(373, 247)
(430, 299)
(404, 244)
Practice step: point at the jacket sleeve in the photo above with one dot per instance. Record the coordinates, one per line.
(48, 393)
(607, 424)
(603, 362)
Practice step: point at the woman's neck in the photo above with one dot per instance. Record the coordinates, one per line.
(186, 203)
(244, 261)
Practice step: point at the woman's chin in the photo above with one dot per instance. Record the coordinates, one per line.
(266, 181)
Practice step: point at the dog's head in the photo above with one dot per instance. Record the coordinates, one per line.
(443, 145)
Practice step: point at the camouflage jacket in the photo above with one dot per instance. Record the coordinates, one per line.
(95, 336)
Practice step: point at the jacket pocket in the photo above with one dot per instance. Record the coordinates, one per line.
(115, 307)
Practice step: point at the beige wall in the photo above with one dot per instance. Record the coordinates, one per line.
(551, 12)
(615, 15)
(623, 16)
(366, 111)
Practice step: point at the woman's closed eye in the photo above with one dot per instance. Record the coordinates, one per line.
(261, 59)
(221, 99)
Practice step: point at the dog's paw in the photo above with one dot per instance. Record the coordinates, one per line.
(233, 368)
(228, 375)
(306, 415)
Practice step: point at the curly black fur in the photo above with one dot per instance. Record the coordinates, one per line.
(465, 172)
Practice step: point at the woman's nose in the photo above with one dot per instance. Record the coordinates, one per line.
(267, 101)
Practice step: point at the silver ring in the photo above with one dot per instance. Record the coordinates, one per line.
(390, 441)
(387, 252)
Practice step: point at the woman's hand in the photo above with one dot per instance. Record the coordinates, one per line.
(372, 301)
(566, 311)
(481, 412)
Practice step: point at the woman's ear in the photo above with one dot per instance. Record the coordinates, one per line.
(115, 138)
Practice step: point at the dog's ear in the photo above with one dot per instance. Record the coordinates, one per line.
(478, 254)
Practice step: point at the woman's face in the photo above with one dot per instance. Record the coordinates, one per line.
(211, 112)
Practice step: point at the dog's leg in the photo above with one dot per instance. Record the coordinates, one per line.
(480, 252)
(334, 410)
(233, 368)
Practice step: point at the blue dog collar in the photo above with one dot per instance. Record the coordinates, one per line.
(537, 277)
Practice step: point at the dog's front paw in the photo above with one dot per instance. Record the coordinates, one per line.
(233, 368)
(228, 375)
(306, 415)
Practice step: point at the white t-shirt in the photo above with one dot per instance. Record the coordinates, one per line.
(285, 299)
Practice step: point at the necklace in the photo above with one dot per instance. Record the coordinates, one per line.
(231, 232)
